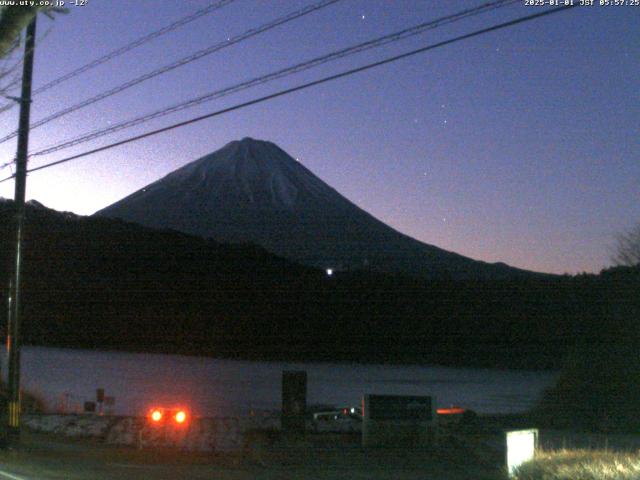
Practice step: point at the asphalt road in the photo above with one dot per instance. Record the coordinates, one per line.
(44, 457)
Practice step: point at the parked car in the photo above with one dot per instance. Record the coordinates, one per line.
(343, 419)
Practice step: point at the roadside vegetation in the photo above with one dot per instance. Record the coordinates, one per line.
(597, 390)
(581, 465)
(32, 402)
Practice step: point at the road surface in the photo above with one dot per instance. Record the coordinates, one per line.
(44, 457)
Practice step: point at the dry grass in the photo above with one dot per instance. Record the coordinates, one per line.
(581, 465)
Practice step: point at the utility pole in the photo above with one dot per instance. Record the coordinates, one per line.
(13, 330)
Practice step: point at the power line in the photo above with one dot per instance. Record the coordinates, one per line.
(7, 164)
(5, 72)
(183, 61)
(128, 47)
(304, 86)
(377, 42)
(14, 69)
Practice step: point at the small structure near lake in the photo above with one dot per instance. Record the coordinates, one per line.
(399, 420)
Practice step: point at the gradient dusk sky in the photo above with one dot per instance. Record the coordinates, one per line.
(520, 146)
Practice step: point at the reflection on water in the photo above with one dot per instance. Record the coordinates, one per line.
(65, 378)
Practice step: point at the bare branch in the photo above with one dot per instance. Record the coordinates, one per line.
(627, 250)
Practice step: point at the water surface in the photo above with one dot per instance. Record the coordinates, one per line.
(65, 378)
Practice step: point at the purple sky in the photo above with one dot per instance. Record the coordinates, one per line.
(518, 146)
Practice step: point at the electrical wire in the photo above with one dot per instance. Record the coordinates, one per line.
(13, 69)
(304, 86)
(7, 164)
(128, 47)
(377, 42)
(183, 61)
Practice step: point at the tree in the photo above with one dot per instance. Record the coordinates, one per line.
(627, 250)
(598, 387)
(15, 19)
(12, 21)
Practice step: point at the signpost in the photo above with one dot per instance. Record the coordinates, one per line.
(398, 420)
(109, 403)
(294, 401)
(100, 400)
(521, 447)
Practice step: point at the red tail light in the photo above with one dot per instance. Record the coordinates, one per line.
(180, 416)
(156, 415)
(162, 416)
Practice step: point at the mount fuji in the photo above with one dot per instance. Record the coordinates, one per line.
(252, 191)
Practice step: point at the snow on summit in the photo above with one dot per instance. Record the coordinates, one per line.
(253, 191)
(248, 171)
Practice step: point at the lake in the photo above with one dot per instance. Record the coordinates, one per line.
(65, 378)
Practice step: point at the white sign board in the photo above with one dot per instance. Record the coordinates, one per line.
(521, 447)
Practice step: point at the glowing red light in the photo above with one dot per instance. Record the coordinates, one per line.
(156, 415)
(180, 416)
(451, 411)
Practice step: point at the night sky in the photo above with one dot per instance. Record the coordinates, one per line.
(518, 146)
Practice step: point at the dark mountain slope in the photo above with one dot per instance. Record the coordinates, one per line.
(253, 191)
(101, 283)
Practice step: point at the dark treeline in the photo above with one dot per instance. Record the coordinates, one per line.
(599, 385)
(99, 283)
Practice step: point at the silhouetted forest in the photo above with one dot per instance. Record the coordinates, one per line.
(101, 283)
(599, 386)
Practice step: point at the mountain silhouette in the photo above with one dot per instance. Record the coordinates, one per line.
(252, 191)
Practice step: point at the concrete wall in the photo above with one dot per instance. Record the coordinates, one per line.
(201, 434)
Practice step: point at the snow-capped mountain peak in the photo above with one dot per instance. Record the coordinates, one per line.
(253, 191)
